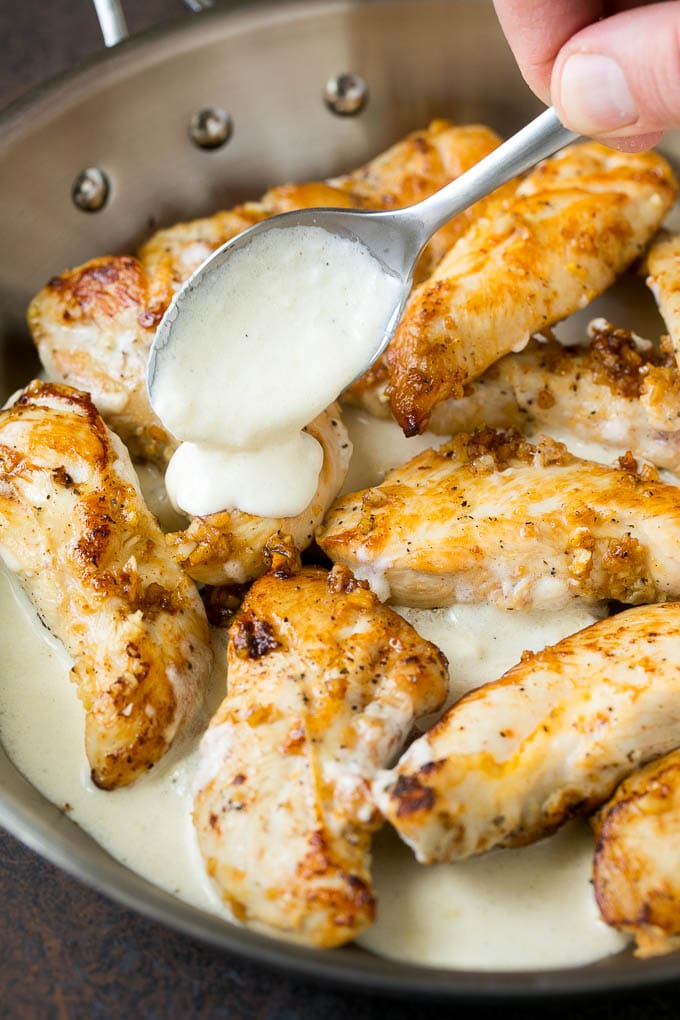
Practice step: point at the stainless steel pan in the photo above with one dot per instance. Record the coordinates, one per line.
(128, 115)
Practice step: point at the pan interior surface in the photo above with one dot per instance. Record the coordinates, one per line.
(129, 114)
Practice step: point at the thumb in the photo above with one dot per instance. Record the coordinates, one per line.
(619, 79)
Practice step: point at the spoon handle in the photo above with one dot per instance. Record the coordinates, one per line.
(540, 138)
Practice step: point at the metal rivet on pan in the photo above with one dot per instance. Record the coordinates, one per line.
(346, 94)
(90, 189)
(210, 127)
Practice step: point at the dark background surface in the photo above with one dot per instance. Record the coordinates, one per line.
(65, 951)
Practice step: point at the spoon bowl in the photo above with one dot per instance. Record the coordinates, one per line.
(394, 239)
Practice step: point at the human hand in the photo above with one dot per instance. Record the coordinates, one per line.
(610, 69)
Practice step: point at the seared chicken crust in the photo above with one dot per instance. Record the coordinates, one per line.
(229, 547)
(75, 531)
(492, 517)
(573, 225)
(636, 872)
(415, 168)
(93, 327)
(513, 760)
(324, 686)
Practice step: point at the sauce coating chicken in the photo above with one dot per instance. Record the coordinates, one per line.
(75, 531)
(324, 686)
(514, 759)
(572, 226)
(636, 872)
(492, 517)
(229, 547)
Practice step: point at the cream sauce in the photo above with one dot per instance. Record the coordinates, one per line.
(529, 908)
(267, 341)
(206, 479)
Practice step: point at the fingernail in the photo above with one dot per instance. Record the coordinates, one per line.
(595, 96)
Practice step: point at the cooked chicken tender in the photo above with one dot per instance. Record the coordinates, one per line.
(663, 268)
(229, 547)
(491, 517)
(324, 686)
(514, 759)
(419, 164)
(75, 531)
(93, 327)
(636, 873)
(575, 223)
(617, 390)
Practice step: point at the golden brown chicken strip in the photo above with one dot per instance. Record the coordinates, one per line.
(513, 760)
(617, 390)
(93, 327)
(574, 224)
(415, 168)
(75, 531)
(491, 517)
(324, 686)
(636, 872)
(229, 547)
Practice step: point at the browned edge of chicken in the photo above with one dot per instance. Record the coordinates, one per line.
(636, 870)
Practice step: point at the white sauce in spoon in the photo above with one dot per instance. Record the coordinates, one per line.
(516, 909)
(264, 344)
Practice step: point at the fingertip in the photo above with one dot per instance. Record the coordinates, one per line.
(636, 143)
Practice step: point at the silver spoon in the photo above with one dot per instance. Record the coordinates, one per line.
(396, 238)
